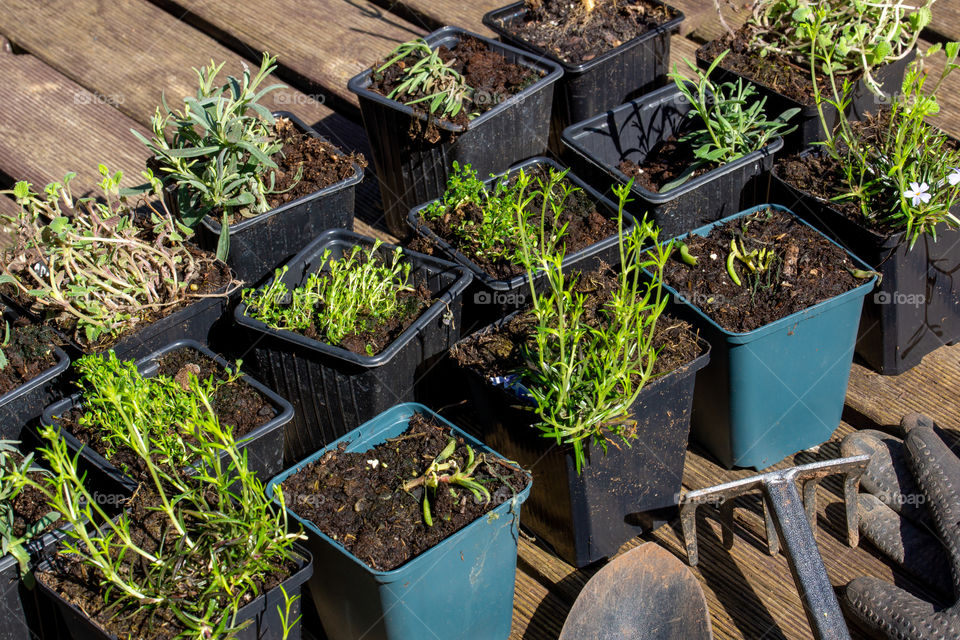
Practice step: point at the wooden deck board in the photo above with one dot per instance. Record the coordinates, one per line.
(436, 13)
(323, 42)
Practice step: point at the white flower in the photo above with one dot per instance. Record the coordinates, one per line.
(918, 193)
(954, 176)
(373, 463)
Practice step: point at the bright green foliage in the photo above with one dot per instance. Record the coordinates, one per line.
(15, 471)
(159, 406)
(584, 376)
(220, 149)
(349, 295)
(907, 175)
(863, 34)
(221, 534)
(497, 235)
(732, 121)
(424, 72)
(93, 263)
(446, 470)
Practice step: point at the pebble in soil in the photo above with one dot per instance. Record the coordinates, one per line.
(807, 269)
(564, 29)
(357, 498)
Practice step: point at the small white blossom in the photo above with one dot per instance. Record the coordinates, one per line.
(918, 193)
(954, 176)
(373, 463)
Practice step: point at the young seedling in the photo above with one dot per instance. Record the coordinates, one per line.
(441, 85)
(757, 261)
(584, 377)
(96, 265)
(3, 345)
(445, 470)
(218, 150)
(731, 121)
(349, 295)
(15, 475)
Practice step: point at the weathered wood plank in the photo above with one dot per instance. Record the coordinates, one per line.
(433, 14)
(130, 52)
(321, 44)
(932, 387)
(52, 125)
(946, 20)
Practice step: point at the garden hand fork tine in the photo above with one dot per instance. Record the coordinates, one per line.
(790, 519)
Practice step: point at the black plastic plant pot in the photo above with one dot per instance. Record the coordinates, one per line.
(22, 616)
(334, 390)
(631, 131)
(915, 308)
(636, 67)
(263, 613)
(25, 403)
(412, 171)
(809, 128)
(488, 298)
(264, 445)
(260, 244)
(588, 516)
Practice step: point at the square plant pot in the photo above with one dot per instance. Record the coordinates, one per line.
(25, 403)
(263, 612)
(631, 131)
(776, 390)
(262, 243)
(332, 389)
(588, 516)
(488, 298)
(415, 171)
(636, 67)
(809, 129)
(915, 308)
(263, 446)
(460, 589)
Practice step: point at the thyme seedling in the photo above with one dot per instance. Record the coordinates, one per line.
(15, 472)
(349, 295)
(94, 265)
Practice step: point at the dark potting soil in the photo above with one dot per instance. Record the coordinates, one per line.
(364, 507)
(564, 28)
(305, 165)
(808, 269)
(150, 530)
(30, 506)
(491, 76)
(772, 70)
(29, 353)
(585, 226)
(498, 352)
(666, 162)
(235, 404)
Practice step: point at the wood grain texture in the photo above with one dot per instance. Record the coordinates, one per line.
(946, 19)
(323, 43)
(49, 128)
(129, 53)
(436, 13)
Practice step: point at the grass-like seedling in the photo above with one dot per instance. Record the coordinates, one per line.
(863, 35)
(907, 175)
(584, 376)
(218, 150)
(443, 88)
(114, 391)
(732, 121)
(349, 295)
(220, 537)
(445, 470)
(15, 472)
(94, 265)
(504, 209)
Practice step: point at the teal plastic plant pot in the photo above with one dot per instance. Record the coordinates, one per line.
(779, 389)
(461, 589)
